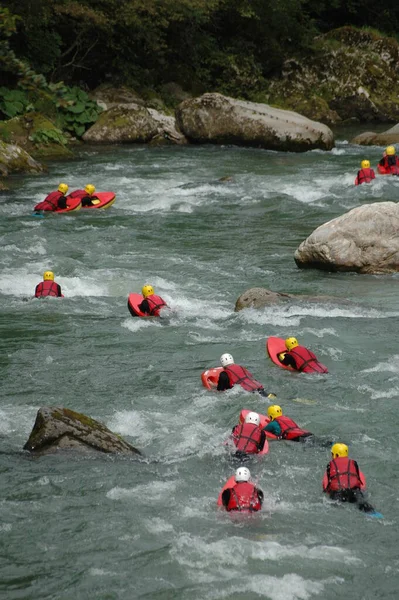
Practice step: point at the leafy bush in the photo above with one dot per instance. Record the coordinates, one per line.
(76, 112)
(14, 102)
(49, 136)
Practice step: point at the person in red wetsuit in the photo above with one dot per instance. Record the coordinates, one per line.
(248, 437)
(55, 200)
(300, 358)
(244, 495)
(48, 287)
(343, 480)
(152, 304)
(390, 161)
(86, 196)
(233, 374)
(366, 174)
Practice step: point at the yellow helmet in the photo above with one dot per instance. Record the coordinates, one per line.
(339, 450)
(390, 150)
(90, 189)
(147, 290)
(48, 276)
(274, 411)
(63, 188)
(365, 164)
(291, 343)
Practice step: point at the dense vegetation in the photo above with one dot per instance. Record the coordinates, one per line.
(232, 46)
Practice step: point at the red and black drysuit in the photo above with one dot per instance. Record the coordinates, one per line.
(303, 360)
(390, 164)
(290, 430)
(364, 176)
(248, 438)
(344, 482)
(85, 199)
(48, 288)
(244, 496)
(233, 374)
(54, 201)
(152, 305)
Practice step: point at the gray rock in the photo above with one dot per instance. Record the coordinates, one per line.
(364, 240)
(385, 138)
(217, 119)
(14, 159)
(261, 297)
(57, 427)
(129, 123)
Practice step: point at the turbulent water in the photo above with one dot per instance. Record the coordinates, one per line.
(118, 528)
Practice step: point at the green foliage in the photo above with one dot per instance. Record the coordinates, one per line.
(49, 136)
(14, 102)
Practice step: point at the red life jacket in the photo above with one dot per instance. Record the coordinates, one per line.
(244, 496)
(47, 288)
(364, 176)
(50, 202)
(306, 361)
(247, 437)
(78, 194)
(155, 304)
(343, 474)
(241, 375)
(289, 429)
(391, 163)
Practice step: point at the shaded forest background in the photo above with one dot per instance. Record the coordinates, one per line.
(52, 52)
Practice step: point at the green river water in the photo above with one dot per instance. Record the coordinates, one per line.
(105, 528)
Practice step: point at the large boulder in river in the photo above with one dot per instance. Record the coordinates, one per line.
(213, 118)
(133, 123)
(261, 297)
(14, 159)
(66, 429)
(364, 240)
(129, 123)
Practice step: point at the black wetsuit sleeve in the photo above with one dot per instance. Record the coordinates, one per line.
(262, 440)
(62, 202)
(289, 361)
(223, 382)
(226, 497)
(260, 495)
(59, 290)
(144, 307)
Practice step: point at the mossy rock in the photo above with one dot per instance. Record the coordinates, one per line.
(353, 71)
(37, 135)
(14, 159)
(57, 427)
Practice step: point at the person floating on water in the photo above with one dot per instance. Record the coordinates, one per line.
(248, 437)
(300, 358)
(48, 287)
(86, 196)
(366, 174)
(390, 161)
(55, 200)
(152, 304)
(244, 495)
(343, 480)
(233, 374)
(285, 428)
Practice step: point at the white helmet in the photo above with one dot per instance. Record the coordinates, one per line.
(226, 359)
(242, 474)
(252, 417)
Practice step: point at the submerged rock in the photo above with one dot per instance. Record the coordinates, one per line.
(261, 297)
(64, 428)
(364, 240)
(213, 118)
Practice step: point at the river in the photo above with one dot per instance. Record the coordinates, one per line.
(107, 527)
